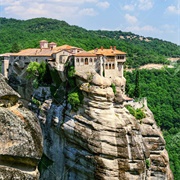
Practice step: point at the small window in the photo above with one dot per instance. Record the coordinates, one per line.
(121, 57)
(90, 60)
(77, 60)
(86, 61)
(109, 66)
(113, 67)
(106, 66)
(82, 60)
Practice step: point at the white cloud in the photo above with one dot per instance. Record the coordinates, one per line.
(138, 4)
(41, 10)
(22, 2)
(14, 9)
(173, 9)
(72, 1)
(145, 4)
(25, 9)
(87, 12)
(169, 28)
(9, 2)
(103, 5)
(128, 7)
(131, 19)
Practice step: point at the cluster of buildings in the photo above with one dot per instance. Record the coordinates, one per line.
(106, 62)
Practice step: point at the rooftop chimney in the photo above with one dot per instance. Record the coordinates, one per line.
(101, 47)
(114, 48)
(110, 47)
(95, 50)
(52, 45)
(43, 44)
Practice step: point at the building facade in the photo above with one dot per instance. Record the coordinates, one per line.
(106, 62)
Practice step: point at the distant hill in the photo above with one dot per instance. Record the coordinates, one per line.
(21, 34)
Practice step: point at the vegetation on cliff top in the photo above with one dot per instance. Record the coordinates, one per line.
(137, 113)
(39, 73)
(75, 96)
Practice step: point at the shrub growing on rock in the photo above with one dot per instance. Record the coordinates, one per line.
(74, 100)
(137, 113)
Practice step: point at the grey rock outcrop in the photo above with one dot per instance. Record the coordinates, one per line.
(102, 140)
(20, 141)
(8, 96)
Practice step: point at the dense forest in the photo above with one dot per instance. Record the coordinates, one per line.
(161, 87)
(20, 34)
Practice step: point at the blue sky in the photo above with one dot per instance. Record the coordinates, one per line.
(149, 18)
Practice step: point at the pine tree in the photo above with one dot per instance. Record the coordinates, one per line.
(137, 88)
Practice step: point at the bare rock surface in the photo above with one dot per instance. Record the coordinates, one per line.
(102, 140)
(20, 142)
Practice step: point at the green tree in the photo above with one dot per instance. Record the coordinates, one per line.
(15, 48)
(137, 87)
(74, 100)
(36, 71)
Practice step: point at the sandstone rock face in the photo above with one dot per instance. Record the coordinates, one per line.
(20, 143)
(100, 141)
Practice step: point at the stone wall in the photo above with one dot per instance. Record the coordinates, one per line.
(5, 67)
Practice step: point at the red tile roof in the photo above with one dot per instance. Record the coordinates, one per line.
(35, 52)
(107, 52)
(85, 54)
(44, 51)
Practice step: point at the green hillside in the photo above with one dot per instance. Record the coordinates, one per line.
(20, 34)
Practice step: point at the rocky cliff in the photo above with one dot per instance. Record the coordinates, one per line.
(20, 137)
(102, 140)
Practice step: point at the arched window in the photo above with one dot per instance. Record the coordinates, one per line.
(109, 66)
(82, 60)
(90, 60)
(77, 60)
(86, 61)
(113, 67)
(106, 66)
